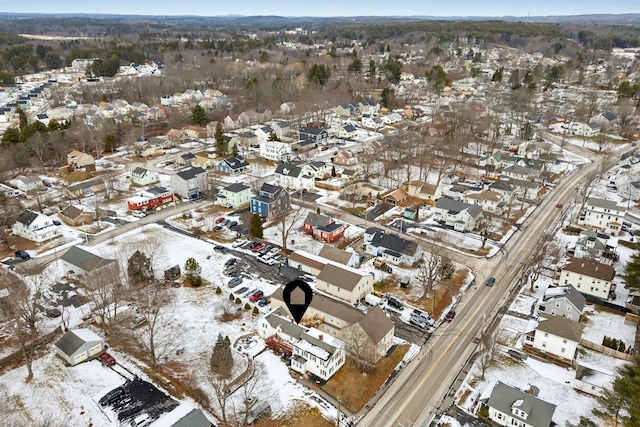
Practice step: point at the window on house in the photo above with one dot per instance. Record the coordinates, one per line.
(564, 341)
(562, 350)
(546, 335)
(544, 344)
(557, 303)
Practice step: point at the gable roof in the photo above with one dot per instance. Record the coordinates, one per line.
(561, 327)
(315, 219)
(571, 294)
(236, 162)
(344, 277)
(605, 204)
(74, 211)
(335, 254)
(455, 206)
(27, 217)
(84, 260)
(591, 268)
(395, 243)
(331, 306)
(376, 324)
(503, 397)
(71, 342)
(191, 173)
(236, 188)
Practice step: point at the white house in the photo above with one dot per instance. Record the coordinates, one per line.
(459, 215)
(422, 190)
(603, 215)
(591, 245)
(489, 201)
(141, 176)
(555, 336)
(79, 345)
(79, 261)
(35, 226)
(592, 379)
(589, 277)
(509, 406)
(340, 256)
(234, 195)
(277, 150)
(391, 247)
(344, 282)
(312, 351)
(293, 177)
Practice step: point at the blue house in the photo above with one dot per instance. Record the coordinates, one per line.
(270, 202)
(233, 166)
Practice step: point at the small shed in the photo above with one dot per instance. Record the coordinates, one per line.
(404, 282)
(79, 345)
(172, 273)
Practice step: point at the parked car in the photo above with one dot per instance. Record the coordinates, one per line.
(138, 321)
(392, 302)
(106, 359)
(491, 281)
(225, 223)
(239, 243)
(264, 301)
(220, 248)
(259, 247)
(23, 254)
(54, 312)
(235, 282)
(56, 222)
(254, 244)
(230, 262)
(111, 396)
(419, 321)
(219, 220)
(138, 214)
(274, 251)
(386, 268)
(256, 296)
(265, 249)
(424, 315)
(450, 315)
(232, 224)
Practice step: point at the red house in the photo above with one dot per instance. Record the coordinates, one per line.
(314, 220)
(329, 233)
(150, 198)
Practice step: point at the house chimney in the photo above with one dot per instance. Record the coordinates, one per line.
(321, 337)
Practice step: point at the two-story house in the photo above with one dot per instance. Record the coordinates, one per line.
(521, 172)
(564, 301)
(347, 110)
(293, 177)
(150, 198)
(591, 244)
(347, 131)
(344, 282)
(509, 406)
(234, 166)
(422, 190)
(318, 170)
(313, 135)
(489, 201)
(263, 133)
(345, 158)
(314, 220)
(270, 202)
(143, 177)
(189, 184)
(312, 351)
(589, 277)
(459, 215)
(603, 215)
(555, 336)
(234, 195)
(281, 128)
(391, 247)
(35, 226)
(278, 150)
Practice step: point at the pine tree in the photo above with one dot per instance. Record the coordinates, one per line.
(198, 116)
(220, 141)
(192, 269)
(221, 358)
(256, 226)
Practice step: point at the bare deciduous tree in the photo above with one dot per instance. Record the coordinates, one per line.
(286, 221)
(360, 347)
(105, 290)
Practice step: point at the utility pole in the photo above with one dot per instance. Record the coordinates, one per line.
(338, 418)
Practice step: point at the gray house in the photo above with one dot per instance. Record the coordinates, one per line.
(190, 183)
(392, 248)
(509, 406)
(563, 301)
(79, 345)
(79, 261)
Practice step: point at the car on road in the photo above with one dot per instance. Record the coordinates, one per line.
(450, 315)
(392, 302)
(219, 220)
(256, 296)
(235, 282)
(491, 281)
(111, 396)
(23, 254)
(106, 359)
(230, 262)
(138, 214)
(419, 321)
(220, 248)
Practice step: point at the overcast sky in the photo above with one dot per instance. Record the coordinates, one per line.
(326, 7)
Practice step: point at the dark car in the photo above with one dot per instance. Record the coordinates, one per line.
(235, 282)
(54, 312)
(386, 268)
(450, 315)
(232, 224)
(23, 255)
(491, 281)
(219, 248)
(256, 296)
(55, 222)
(111, 396)
(107, 359)
(395, 304)
(263, 301)
(254, 244)
(230, 262)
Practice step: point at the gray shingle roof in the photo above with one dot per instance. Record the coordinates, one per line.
(84, 260)
(191, 173)
(27, 217)
(561, 327)
(237, 187)
(503, 397)
(342, 277)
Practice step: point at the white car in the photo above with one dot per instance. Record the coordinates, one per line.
(273, 252)
(138, 214)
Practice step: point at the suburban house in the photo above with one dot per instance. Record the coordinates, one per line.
(347, 131)
(556, 337)
(27, 183)
(281, 128)
(185, 159)
(371, 122)
(344, 282)
(313, 135)
(234, 195)
(190, 183)
(233, 166)
(290, 176)
(509, 406)
(78, 345)
(79, 160)
(591, 244)
(78, 261)
(263, 133)
(489, 201)
(204, 162)
(76, 215)
(314, 220)
(307, 262)
(143, 177)
(318, 170)
(526, 189)
(312, 351)
(592, 379)
(422, 190)
(459, 215)
(345, 322)
(150, 198)
(278, 150)
(340, 256)
(603, 215)
(564, 301)
(345, 158)
(394, 197)
(521, 172)
(177, 136)
(85, 188)
(270, 202)
(35, 226)
(347, 110)
(391, 247)
(367, 108)
(329, 233)
(589, 277)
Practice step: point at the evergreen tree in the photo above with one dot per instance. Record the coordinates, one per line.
(110, 143)
(622, 402)
(139, 267)
(632, 273)
(192, 269)
(222, 147)
(256, 226)
(388, 97)
(199, 116)
(221, 358)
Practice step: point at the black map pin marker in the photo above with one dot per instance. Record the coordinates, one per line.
(297, 295)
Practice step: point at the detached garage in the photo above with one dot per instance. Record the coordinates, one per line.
(79, 345)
